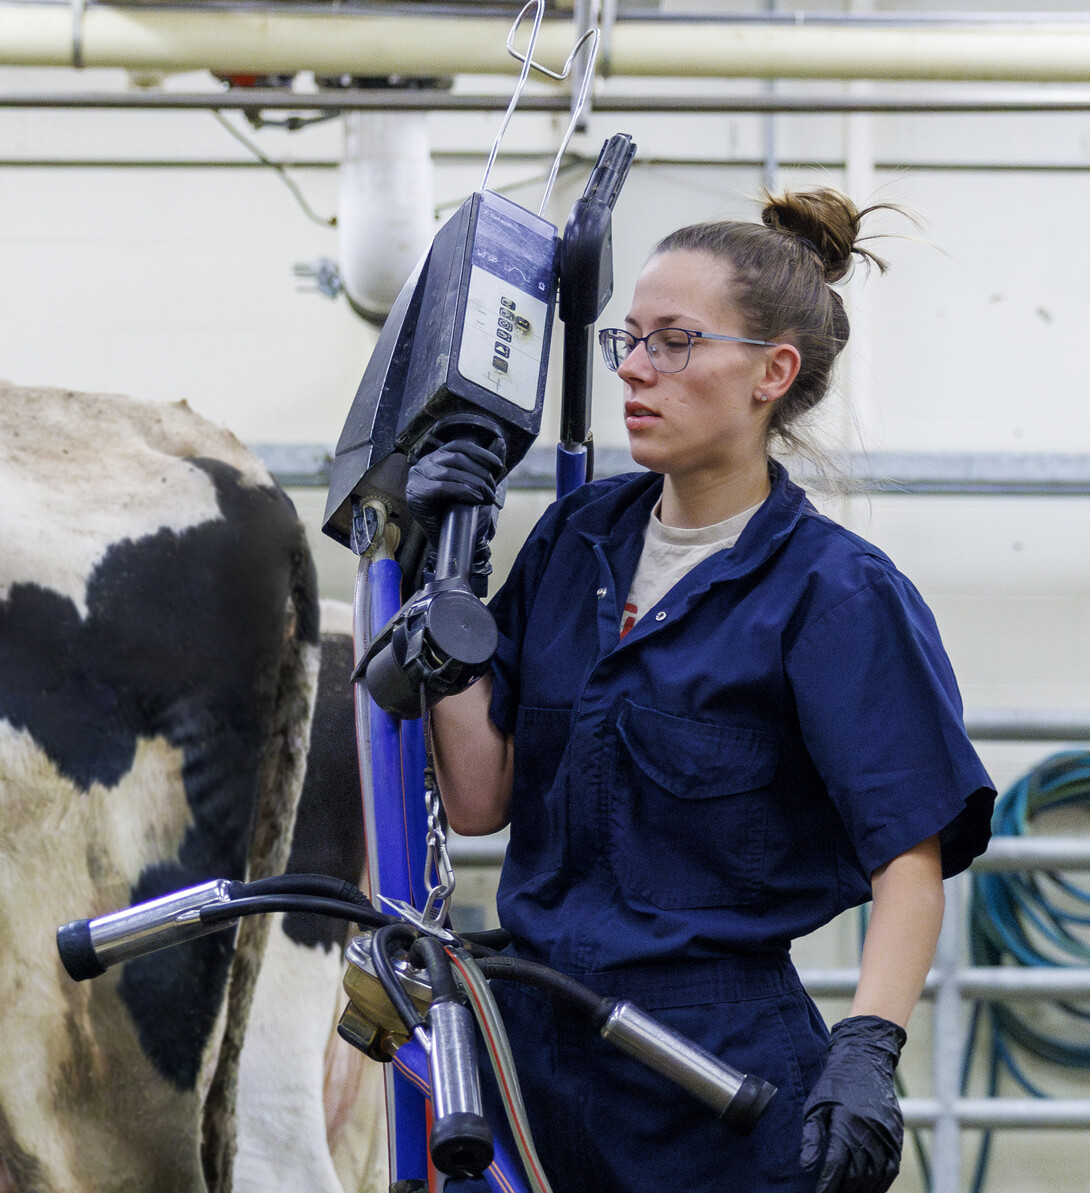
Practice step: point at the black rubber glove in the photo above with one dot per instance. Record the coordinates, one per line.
(852, 1117)
(458, 473)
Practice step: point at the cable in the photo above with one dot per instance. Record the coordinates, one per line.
(1029, 919)
(308, 211)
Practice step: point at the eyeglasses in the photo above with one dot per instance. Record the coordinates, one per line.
(668, 348)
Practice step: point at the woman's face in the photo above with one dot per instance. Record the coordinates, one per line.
(709, 418)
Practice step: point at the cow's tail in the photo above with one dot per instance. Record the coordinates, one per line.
(281, 781)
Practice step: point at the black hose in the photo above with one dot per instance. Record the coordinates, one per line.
(533, 973)
(490, 940)
(215, 913)
(444, 987)
(384, 971)
(324, 885)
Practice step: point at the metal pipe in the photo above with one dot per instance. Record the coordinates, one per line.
(1005, 854)
(230, 42)
(402, 100)
(1008, 983)
(893, 473)
(946, 1036)
(1017, 724)
(985, 983)
(1031, 1113)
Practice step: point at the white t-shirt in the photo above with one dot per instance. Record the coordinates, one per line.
(669, 552)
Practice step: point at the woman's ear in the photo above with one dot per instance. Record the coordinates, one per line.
(781, 368)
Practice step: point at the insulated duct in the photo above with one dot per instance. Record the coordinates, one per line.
(275, 42)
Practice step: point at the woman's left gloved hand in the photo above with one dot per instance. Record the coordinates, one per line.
(852, 1118)
(461, 472)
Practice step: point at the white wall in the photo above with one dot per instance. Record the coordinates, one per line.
(144, 253)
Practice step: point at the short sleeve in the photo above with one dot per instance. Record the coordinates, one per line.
(882, 720)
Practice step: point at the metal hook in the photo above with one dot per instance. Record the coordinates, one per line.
(539, 5)
(594, 36)
(527, 60)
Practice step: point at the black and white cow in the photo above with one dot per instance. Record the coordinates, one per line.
(159, 652)
(299, 996)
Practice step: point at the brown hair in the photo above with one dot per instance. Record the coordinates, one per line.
(781, 275)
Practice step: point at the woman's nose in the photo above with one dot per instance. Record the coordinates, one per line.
(637, 365)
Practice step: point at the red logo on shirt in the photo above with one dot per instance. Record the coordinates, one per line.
(631, 613)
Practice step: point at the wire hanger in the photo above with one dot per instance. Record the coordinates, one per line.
(528, 63)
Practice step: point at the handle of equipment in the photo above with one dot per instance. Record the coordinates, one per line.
(89, 947)
(737, 1098)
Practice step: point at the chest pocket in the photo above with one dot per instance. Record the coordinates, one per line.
(688, 814)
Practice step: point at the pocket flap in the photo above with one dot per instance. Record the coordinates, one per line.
(694, 759)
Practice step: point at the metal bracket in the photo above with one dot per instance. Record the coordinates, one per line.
(410, 915)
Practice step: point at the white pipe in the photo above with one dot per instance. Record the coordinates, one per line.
(385, 206)
(236, 42)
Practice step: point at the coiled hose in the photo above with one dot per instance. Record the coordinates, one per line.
(1029, 918)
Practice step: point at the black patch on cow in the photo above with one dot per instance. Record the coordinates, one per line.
(328, 837)
(183, 639)
(24, 1171)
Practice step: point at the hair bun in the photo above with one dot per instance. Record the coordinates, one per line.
(827, 222)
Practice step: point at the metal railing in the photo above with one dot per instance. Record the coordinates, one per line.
(306, 465)
(951, 983)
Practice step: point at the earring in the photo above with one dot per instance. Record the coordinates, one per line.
(762, 397)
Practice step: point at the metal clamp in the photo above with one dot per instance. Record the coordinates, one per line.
(410, 915)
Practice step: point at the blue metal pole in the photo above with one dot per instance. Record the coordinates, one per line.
(571, 468)
(392, 774)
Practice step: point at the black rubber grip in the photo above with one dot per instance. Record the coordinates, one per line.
(748, 1104)
(77, 952)
(461, 1144)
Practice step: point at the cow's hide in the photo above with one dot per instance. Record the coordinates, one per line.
(294, 1065)
(158, 664)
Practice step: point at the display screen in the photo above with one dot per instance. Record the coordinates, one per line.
(511, 290)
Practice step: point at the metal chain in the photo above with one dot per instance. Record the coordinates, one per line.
(436, 858)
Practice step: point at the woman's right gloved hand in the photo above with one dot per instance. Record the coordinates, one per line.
(461, 472)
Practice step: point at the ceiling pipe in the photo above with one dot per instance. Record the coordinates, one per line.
(399, 100)
(234, 42)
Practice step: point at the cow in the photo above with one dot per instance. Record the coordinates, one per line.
(159, 659)
(292, 1056)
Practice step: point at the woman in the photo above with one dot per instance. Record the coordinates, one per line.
(715, 720)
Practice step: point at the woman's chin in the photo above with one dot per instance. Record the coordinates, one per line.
(646, 457)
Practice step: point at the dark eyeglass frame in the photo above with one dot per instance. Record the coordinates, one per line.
(613, 334)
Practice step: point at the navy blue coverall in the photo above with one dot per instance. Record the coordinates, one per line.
(690, 798)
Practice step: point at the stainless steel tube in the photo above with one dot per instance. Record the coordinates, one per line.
(89, 947)
(735, 1097)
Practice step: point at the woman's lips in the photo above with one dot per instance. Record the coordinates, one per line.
(638, 416)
